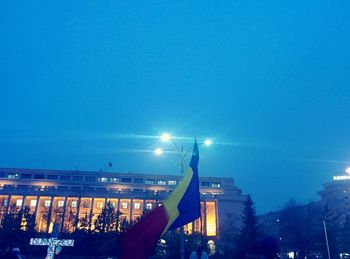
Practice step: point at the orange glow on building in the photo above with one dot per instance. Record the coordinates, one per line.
(211, 218)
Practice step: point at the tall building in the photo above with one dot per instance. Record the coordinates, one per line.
(60, 196)
(336, 196)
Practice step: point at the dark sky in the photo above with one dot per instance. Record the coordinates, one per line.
(87, 82)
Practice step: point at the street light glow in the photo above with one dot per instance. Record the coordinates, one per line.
(165, 137)
(158, 151)
(208, 142)
(347, 170)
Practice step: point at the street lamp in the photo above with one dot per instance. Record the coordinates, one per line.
(158, 151)
(347, 170)
(166, 137)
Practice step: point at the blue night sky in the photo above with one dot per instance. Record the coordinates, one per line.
(87, 82)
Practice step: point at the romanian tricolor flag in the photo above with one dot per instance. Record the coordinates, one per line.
(181, 208)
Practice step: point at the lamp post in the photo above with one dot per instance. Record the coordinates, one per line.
(166, 137)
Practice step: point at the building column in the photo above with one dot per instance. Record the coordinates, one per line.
(23, 202)
(49, 215)
(91, 212)
(131, 204)
(36, 208)
(64, 213)
(143, 206)
(8, 204)
(118, 205)
(78, 211)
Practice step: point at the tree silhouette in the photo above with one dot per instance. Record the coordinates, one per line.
(249, 234)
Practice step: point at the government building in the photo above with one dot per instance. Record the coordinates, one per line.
(61, 196)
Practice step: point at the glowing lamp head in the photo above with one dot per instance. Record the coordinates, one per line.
(208, 142)
(158, 151)
(347, 170)
(165, 137)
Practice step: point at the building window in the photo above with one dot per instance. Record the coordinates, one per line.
(113, 180)
(161, 182)
(126, 180)
(124, 205)
(73, 204)
(205, 184)
(138, 180)
(99, 204)
(26, 176)
(47, 203)
(65, 177)
(39, 176)
(90, 178)
(52, 177)
(137, 205)
(172, 182)
(32, 203)
(149, 206)
(77, 178)
(86, 205)
(19, 203)
(149, 181)
(102, 179)
(215, 185)
(12, 175)
(60, 204)
(4, 202)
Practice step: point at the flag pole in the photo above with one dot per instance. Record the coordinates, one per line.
(182, 234)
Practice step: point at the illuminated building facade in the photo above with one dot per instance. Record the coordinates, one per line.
(65, 197)
(336, 196)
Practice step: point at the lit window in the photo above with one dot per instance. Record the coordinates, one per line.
(19, 203)
(215, 185)
(124, 205)
(172, 182)
(99, 205)
(137, 205)
(73, 204)
(86, 205)
(4, 202)
(149, 206)
(161, 182)
(113, 180)
(149, 181)
(47, 203)
(60, 204)
(102, 179)
(12, 175)
(32, 203)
